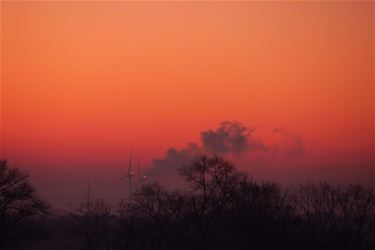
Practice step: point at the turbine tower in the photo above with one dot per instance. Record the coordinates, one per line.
(130, 174)
(141, 178)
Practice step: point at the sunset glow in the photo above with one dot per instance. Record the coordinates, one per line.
(83, 83)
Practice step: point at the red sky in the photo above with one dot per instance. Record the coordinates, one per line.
(83, 82)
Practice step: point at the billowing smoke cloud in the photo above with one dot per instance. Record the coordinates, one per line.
(230, 136)
(173, 159)
(165, 170)
(293, 145)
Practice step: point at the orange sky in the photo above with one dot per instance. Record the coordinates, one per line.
(85, 82)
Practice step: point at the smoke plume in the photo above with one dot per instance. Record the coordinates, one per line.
(230, 136)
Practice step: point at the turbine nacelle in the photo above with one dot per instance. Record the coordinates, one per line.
(131, 174)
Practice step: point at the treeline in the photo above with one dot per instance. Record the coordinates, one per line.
(222, 209)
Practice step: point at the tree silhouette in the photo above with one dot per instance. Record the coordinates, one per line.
(211, 181)
(334, 217)
(223, 208)
(18, 204)
(92, 229)
(157, 213)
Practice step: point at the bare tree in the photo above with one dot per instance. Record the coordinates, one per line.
(335, 216)
(356, 211)
(161, 208)
(132, 229)
(18, 203)
(93, 225)
(211, 180)
(259, 214)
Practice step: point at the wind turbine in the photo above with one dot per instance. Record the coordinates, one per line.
(141, 178)
(130, 173)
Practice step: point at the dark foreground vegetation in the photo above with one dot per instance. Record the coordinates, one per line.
(221, 209)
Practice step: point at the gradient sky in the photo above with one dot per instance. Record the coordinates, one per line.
(82, 83)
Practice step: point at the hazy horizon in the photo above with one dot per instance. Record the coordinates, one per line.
(83, 83)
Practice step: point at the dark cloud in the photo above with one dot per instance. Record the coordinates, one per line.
(173, 159)
(230, 136)
(165, 170)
